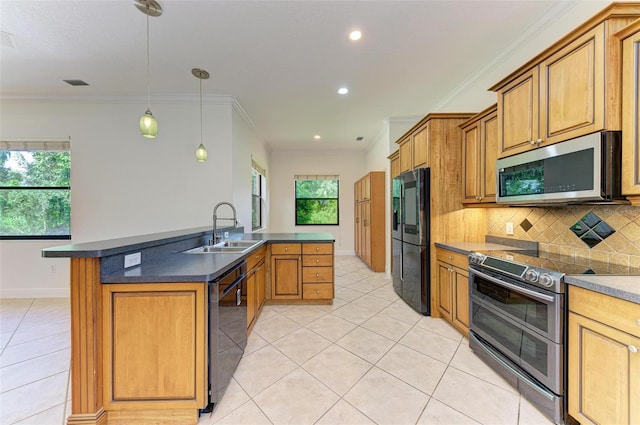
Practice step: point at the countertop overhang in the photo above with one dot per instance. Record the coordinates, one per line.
(173, 265)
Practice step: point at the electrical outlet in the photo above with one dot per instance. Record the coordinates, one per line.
(509, 228)
(132, 260)
(52, 268)
(226, 235)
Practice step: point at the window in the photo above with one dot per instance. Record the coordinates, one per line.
(317, 200)
(35, 191)
(258, 191)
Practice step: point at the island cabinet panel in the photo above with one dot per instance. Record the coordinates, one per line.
(155, 346)
(631, 113)
(604, 358)
(255, 289)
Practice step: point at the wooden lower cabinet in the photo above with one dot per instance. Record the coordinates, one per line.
(155, 344)
(286, 271)
(453, 288)
(255, 292)
(631, 112)
(317, 271)
(604, 358)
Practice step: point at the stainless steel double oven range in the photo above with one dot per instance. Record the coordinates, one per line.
(517, 326)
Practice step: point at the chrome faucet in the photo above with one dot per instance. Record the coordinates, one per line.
(217, 239)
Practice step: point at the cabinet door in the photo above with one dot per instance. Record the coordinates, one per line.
(572, 89)
(251, 296)
(445, 303)
(604, 374)
(406, 155)
(421, 147)
(260, 285)
(395, 166)
(366, 232)
(470, 163)
(461, 300)
(631, 118)
(489, 152)
(366, 188)
(518, 113)
(286, 277)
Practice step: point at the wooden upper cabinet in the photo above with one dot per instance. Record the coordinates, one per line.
(420, 140)
(406, 154)
(571, 89)
(631, 112)
(394, 159)
(518, 113)
(479, 156)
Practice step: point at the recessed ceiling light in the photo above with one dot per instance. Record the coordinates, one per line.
(355, 35)
(76, 82)
(343, 90)
(317, 137)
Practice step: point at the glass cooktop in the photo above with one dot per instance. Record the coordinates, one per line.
(564, 263)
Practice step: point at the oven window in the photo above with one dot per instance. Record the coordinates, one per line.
(514, 304)
(513, 341)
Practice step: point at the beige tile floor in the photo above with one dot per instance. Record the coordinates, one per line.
(366, 359)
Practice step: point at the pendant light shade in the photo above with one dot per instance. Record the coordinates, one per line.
(201, 151)
(148, 123)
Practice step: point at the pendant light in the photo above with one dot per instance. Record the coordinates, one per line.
(148, 123)
(201, 151)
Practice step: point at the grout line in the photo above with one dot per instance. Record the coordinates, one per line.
(17, 326)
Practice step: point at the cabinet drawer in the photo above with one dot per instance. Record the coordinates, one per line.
(317, 260)
(317, 291)
(317, 248)
(285, 248)
(454, 258)
(620, 314)
(255, 257)
(317, 274)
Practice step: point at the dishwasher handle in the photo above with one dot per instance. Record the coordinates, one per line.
(235, 285)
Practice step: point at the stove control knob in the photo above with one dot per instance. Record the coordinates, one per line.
(546, 280)
(476, 258)
(531, 276)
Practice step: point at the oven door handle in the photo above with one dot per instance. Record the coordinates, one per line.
(533, 294)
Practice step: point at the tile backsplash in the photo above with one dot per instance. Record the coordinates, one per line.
(600, 232)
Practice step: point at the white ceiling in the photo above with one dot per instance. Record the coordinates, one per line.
(281, 60)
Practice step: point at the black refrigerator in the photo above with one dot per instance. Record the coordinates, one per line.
(411, 239)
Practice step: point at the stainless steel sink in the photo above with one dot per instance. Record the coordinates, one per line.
(225, 247)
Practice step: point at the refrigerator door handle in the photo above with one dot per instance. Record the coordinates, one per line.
(401, 262)
(395, 219)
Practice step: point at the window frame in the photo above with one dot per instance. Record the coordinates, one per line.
(32, 147)
(336, 198)
(259, 197)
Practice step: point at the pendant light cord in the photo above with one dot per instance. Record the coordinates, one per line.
(148, 73)
(201, 109)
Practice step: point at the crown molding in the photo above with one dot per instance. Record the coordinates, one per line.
(549, 17)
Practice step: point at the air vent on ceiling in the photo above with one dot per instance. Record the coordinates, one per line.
(76, 82)
(359, 138)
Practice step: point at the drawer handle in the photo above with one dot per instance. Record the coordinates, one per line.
(317, 260)
(317, 291)
(317, 274)
(633, 348)
(450, 258)
(286, 249)
(317, 249)
(638, 322)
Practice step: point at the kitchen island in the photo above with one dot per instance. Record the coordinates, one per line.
(139, 335)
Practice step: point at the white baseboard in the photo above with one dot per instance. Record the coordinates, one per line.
(345, 252)
(35, 293)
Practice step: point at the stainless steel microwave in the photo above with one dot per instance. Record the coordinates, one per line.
(581, 170)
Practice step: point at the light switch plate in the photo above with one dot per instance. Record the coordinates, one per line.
(132, 260)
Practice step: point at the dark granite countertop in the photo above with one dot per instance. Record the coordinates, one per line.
(618, 286)
(177, 266)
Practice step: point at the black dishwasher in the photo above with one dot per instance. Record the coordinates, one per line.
(227, 329)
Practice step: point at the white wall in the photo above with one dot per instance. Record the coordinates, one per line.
(123, 184)
(350, 166)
